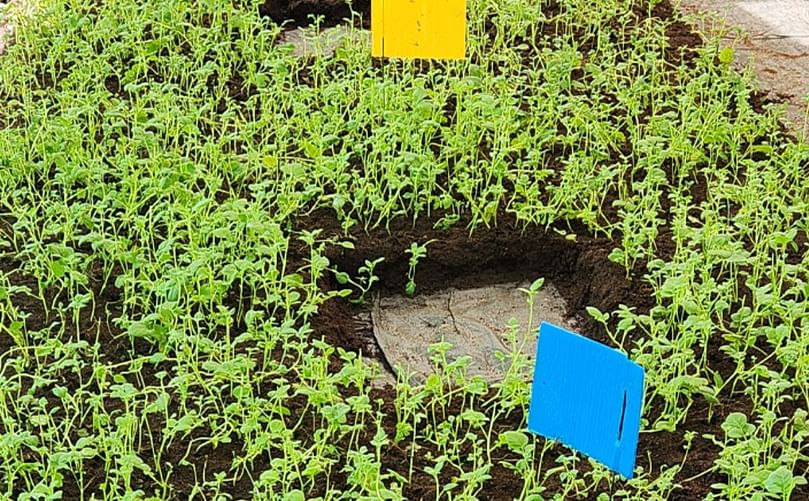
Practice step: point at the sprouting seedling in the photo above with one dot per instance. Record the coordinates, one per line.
(531, 293)
(417, 252)
(533, 289)
(364, 281)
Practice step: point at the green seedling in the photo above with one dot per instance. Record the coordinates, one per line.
(364, 282)
(173, 181)
(417, 252)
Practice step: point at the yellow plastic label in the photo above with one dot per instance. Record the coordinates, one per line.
(419, 29)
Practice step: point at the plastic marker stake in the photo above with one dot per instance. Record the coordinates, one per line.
(419, 29)
(587, 396)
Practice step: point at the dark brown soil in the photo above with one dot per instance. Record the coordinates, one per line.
(578, 269)
(581, 272)
(300, 13)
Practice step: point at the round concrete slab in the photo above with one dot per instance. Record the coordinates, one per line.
(474, 321)
(307, 42)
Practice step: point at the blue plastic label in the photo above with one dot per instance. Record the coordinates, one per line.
(587, 396)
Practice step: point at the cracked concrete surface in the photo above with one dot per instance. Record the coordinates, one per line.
(474, 321)
(308, 42)
(770, 35)
(6, 26)
(11, 12)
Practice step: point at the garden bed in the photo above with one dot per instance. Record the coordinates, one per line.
(580, 270)
(188, 208)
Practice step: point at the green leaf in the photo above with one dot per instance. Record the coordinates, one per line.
(617, 256)
(311, 150)
(184, 424)
(726, 55)
(756, 477)
(58, 269)
(780, 481)
(736, 426)
(597, 314)
(717, 380)
(132, 462)
(295, 495)
(476, 418)
(262, 81)
(516, 441)
(140, 330)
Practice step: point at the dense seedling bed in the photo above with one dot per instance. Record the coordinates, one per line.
(191, 218)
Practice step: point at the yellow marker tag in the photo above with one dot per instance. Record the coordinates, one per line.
(419, 29)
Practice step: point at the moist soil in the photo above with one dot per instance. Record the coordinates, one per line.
(508, 252)
(301, 13)
(579, 269)
(583, 275)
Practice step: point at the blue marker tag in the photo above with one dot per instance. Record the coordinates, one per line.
(587, 396)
